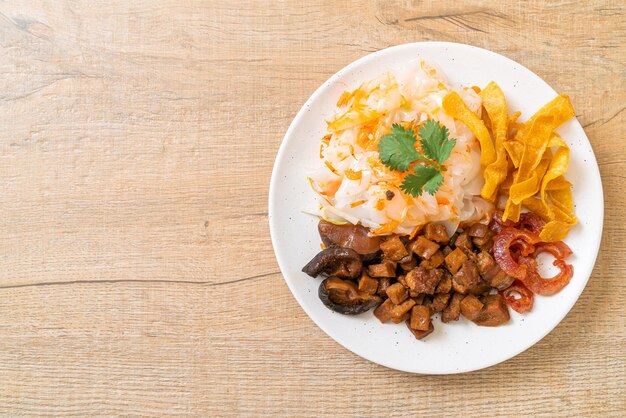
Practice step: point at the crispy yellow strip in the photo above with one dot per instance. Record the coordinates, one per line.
(454, 106)
(529, 187)
(496, 108)
(512, 211)
(537, 132)
(514, 149)
(535, 205)
(558, 214)
(556, 141)
(558, 184)
(506, 184)
(563, 200)
(558, 165)
(514, 125)
(513, 117)
(535, 135)
(562, 217)
(555, 231)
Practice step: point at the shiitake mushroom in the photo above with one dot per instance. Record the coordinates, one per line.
(335, 261)
(355, 237)
(343, 296)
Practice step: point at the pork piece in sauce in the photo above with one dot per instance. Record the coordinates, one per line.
(410, 279)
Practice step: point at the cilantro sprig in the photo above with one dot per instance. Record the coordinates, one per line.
(397, 151)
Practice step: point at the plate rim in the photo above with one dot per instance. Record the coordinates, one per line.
(281, 155)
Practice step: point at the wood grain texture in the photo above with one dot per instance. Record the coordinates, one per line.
(137, 276)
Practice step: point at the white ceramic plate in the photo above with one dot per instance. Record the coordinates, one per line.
(455, 347)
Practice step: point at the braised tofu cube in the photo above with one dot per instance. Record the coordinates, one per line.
(455, 260)
(425, 248)
(384, 269)
(404, 317)
(400, 312)
(410, 264)
(393, 248)
(383, 311)
(466, 277)
(383, 284)
(421, 280)
(420, 318)
(470, 307)
(478, 230)
(464, 242)
(367, 284)
(402, 279)
(484, 262)
(479, 289)
(419, 298)
(420, 334)
(487, 245)
(433, 262)
(452, 312)
(500, 280)
(494, 312)
(482, 236)
(445, 284)
(436, 233)
(440, 301)
(397, 293)
(491, 272)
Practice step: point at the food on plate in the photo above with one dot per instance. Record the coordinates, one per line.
(436, 200)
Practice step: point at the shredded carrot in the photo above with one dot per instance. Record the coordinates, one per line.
(326, 139)
(331, 168)
(476, 89)
(345, 97)
(417, 229)
(364, 136)
(442, 201)
(321, 149)
(357, 203)
(380, 204)
(404, 103)
(386, 228)
(353, 175)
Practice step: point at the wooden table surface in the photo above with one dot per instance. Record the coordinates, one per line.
(137, 275)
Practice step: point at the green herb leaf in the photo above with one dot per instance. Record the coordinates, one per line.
(433, 183)
(425, 177)
(435, 142)
(397, 149)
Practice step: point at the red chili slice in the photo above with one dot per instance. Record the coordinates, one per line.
(511, 237)
(531, 221)
(545, 286)
(524, 303)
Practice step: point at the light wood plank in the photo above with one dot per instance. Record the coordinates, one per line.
(136, 148)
